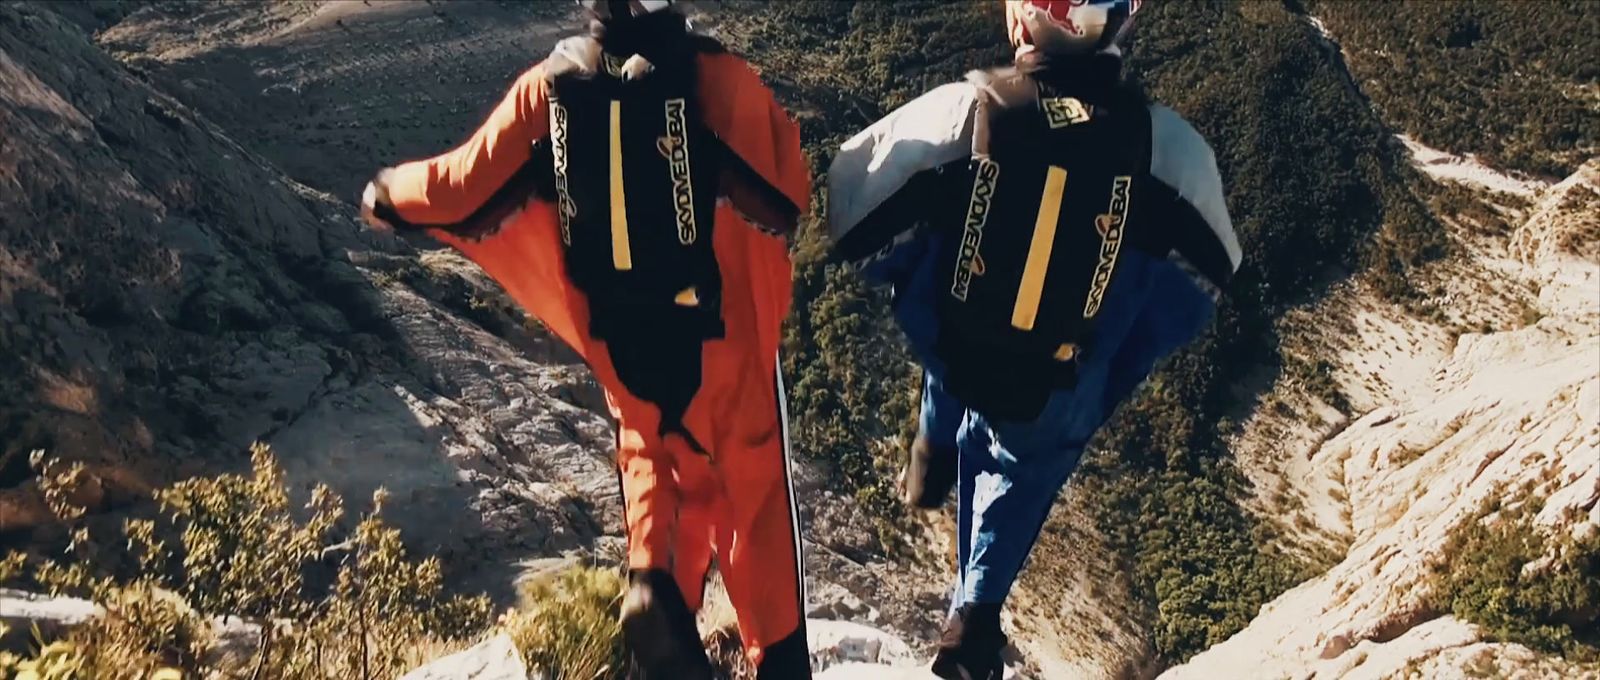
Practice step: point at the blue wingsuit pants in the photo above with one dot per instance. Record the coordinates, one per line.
(1011, 472)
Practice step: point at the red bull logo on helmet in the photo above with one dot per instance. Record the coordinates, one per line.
(1068, 26)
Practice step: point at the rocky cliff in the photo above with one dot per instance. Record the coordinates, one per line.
(168, 296)
(1494, 399)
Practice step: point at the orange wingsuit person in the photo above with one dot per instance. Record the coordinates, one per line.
(632, 192)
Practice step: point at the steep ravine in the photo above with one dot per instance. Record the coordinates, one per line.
(1424, 410)
(1445, 418)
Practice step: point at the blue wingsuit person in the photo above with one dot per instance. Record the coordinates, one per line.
(1050, 235)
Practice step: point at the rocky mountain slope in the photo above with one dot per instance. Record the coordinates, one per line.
(1467, 408)
(168, 296)
(1446, 418)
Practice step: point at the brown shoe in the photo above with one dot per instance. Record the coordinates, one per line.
(659, 630)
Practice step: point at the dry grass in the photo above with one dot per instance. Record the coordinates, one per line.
(719, 628)
(716, 610)
(567, 624)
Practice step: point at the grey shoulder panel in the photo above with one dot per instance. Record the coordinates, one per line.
(998, 88)
(929, 132)
(577, 55)
(1181, 159)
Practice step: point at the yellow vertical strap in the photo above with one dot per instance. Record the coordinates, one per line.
(1044, 239)
(621, 253)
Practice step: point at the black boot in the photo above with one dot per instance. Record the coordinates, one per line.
(659, 629)
(930, 473)
(787, 659)
(970, 647)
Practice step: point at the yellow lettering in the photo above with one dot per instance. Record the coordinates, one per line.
(983, 187)
(1111, 225)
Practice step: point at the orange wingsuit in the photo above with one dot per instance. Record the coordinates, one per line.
(680, 504)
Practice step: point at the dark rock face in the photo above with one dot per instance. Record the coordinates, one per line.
(167, 297)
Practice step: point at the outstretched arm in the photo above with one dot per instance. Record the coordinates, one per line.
(882, 180)
(474, 186)
(766, 177)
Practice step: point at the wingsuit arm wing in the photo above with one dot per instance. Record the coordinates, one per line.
(766, 177)
(470, 189)
(883, 180)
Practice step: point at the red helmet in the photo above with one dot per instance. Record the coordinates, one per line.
(1068, 27)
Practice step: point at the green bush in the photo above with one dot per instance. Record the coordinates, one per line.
(143, 634)
(1486, 575)
(567, 624)
(240, 552)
